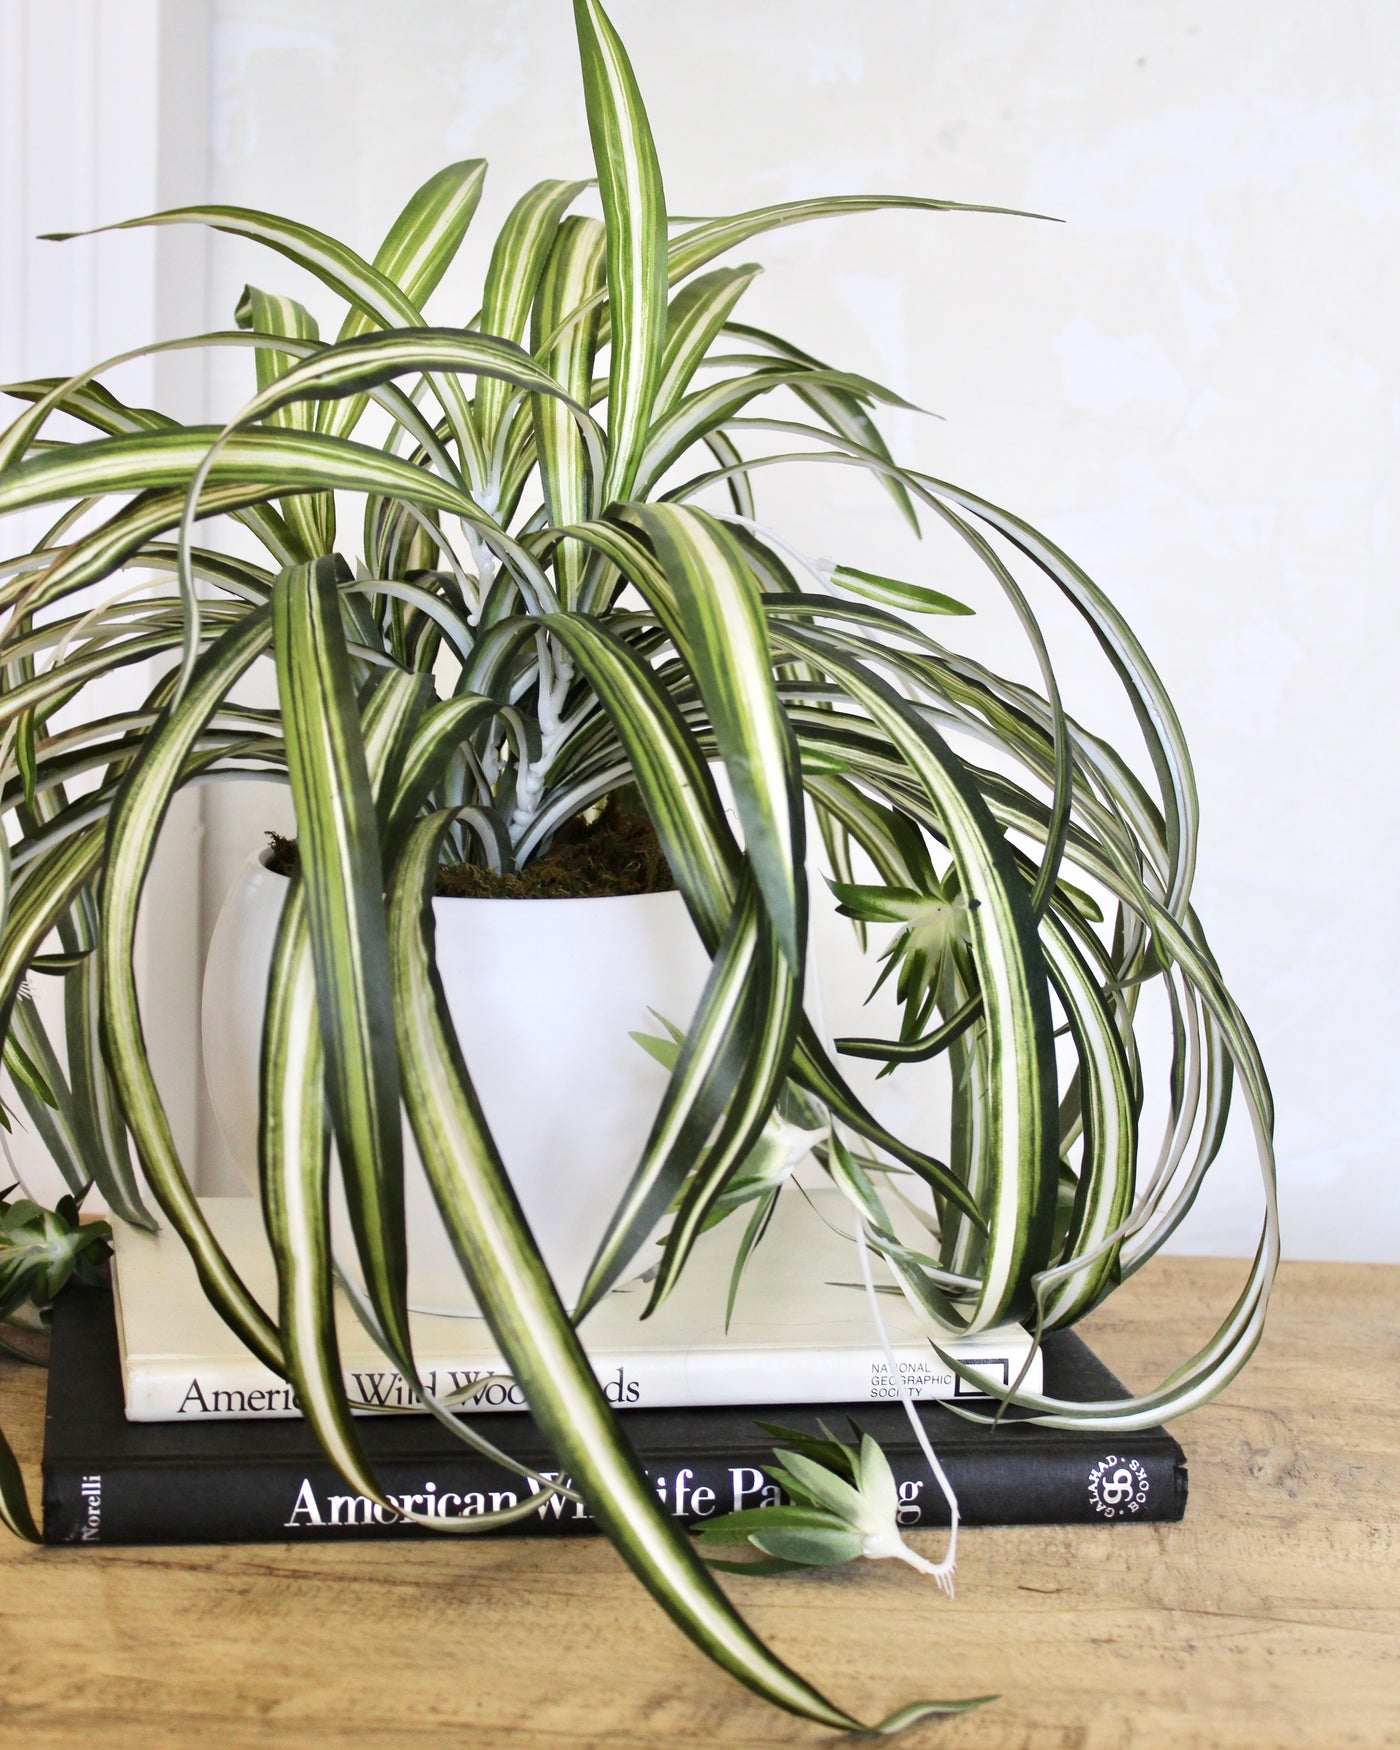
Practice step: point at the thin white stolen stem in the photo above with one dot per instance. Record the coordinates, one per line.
(822, 570)
(887, 1545)
(895, 1547)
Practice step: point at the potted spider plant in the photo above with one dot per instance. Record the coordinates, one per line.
(515, 591)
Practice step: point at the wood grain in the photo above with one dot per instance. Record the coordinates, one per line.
(1271, 1617)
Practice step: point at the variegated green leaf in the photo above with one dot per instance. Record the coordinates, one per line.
(733, 665)
(1021, 1141)
(694, 248)
(575, 265)
(694, 318)
(130, 845)
(843, 411)
(423, 240)
(773, 999)
(527, 1319)
(701, 245)
(670, 771)
(337, 266)
(419, 248)
(1157, 718)
(892, 593)
(338, 841)
(313, 519)
(50, 885)
(634, 207)
(125, 534)
(517, 261)
(271, 460)
(373, 359)
(269, 313)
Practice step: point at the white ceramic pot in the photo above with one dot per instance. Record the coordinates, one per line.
(543, 994)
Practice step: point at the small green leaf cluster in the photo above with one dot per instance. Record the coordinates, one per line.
(42, 1250)
(842, 1503)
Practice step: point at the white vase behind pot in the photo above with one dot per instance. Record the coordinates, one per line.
(543, 994)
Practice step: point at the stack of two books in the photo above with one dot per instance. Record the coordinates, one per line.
(161, 1428)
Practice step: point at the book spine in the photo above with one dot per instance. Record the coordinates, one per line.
(663, 1381)
(301, 1502)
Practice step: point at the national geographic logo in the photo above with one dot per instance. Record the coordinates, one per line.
(1118, 1487)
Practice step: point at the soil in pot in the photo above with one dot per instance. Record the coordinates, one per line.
(614, 854)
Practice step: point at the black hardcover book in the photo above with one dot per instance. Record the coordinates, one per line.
(107, 1480)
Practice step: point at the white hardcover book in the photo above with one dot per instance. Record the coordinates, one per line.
(802, 1331)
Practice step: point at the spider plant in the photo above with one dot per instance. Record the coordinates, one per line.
(505, 569)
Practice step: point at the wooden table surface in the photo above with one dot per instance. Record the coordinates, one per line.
(1271, 1616)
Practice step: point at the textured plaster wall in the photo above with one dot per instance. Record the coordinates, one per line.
(1191, 384)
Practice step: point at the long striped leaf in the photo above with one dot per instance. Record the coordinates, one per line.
(132, 833)
(726, 452)
(311, 520)
(738, 1044)
(694, 317)
(53, 688)
(699, 246)
(125, 534)
(843, 411)
(634, 208)
(37, 902)
(338, 840)
(92, 402)
(436, 737)
(522, 247)
(54, 1123)
(715, 1057)
(700, 413)
(294, 1177)
(1011, 971)
(733, 665)
(1157, 718)
(273, 460)
(531, 1325)
(419, 248)
(424, 238)
(1106, 1177)
(694, 248)
(336, 265)
(575, 265)
(95, 405)
(373, 359)
(670, 771)
(94, 1105)
(1227, 1350)
(270, 313)
(772, 997)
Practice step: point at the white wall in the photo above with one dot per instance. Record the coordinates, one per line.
(1191, 383)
